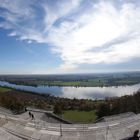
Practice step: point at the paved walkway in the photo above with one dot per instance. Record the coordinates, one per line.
(22, 127)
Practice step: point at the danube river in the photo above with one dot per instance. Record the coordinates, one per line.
(80, 92)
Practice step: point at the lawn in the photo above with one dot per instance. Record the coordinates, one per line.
(80, 116)
(4, 89)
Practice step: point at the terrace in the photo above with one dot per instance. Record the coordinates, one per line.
(22, 127)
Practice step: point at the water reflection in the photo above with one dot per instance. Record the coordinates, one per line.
(80, 92)
(98, 92)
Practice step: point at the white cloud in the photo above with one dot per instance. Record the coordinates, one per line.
(19, 16)
(102, 25)
(102, 32)
(58, 10)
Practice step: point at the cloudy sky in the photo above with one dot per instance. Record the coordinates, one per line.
(69, 36)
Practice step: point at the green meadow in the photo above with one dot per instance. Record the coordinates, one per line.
(80, 116)
(4, 89)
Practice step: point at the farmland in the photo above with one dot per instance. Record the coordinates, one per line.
(77, 80)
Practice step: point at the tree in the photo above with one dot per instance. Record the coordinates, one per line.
(57, 109)
(104, 110)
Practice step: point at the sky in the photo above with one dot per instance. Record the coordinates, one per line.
(69, 36)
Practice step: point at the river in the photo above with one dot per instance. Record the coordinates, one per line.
(80, 92)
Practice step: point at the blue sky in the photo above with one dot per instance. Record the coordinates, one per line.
(69, 36)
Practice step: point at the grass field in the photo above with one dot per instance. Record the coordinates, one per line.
(4, 89)
(78, 80)
(86, 83)
(80, 116)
